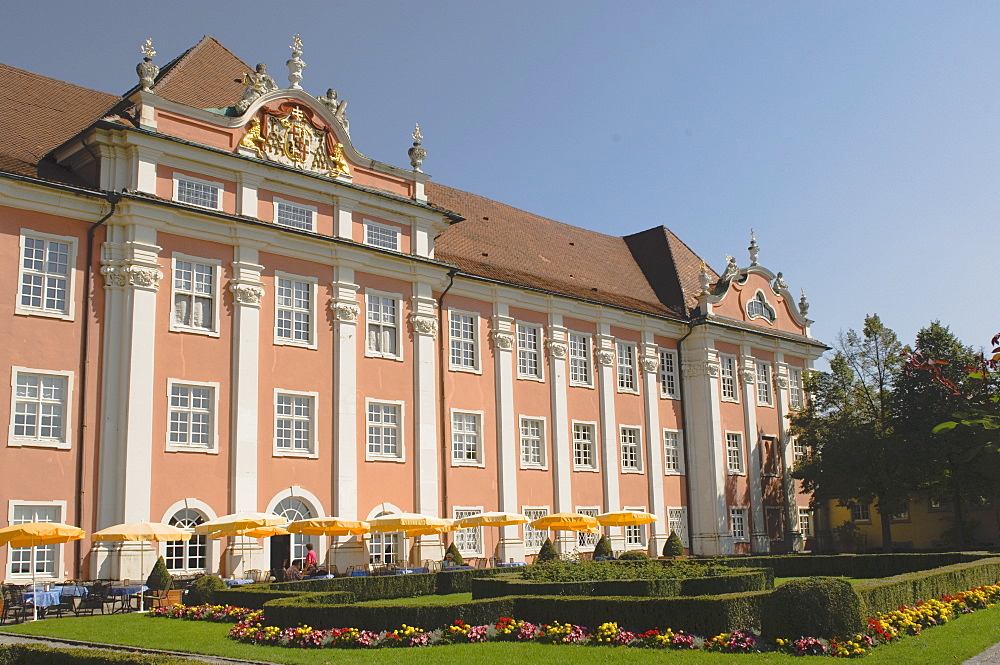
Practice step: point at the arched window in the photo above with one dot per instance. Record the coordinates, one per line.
(758, 308)
(384, 547)
(187, 555)
(293, 508)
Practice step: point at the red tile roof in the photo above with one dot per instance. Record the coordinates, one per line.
(205, 76)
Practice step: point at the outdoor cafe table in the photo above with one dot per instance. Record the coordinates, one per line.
(458, 568)
(512, 564)
(237, 582)
(409, 571)
(41, 598)
(124, 594)
(72, 590)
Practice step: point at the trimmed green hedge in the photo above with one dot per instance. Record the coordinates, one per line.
(291, 612)
(380, 587)
(513, 585)
(851, 565)
(812, 607)
(38, 654)
(885, 595)
(254, 596)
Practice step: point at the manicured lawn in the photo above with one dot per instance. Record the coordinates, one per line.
(951, 643)
(423, 600)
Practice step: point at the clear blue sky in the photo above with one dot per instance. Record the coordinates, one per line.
(858, 139)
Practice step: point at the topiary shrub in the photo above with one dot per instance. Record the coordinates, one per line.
(813, 607)
(452, 550)
(159, 579)
(546, 553)
(203, 589)
(633, 555)
(603, 548)
(673, 546)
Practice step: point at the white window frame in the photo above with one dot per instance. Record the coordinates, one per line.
(313, 451)
(586, 542)
(69, 313)
(308, 209)
(217, 186)
(800, 451)
(679, 471)
(741, 535)
(678, 523)
(595, 465)
(523, 351)
(528, 532)
(462, 367)
(385, 548)
(587, 359)
(625, 373)
(763, 382)
(740, 449)
(861, 512)
(543, 462)
(728, 375)
(480, 460)
(400, 455)
(313, 297)
(669, 380)
(805, 522)
(197, 540)
(213, 447)
(58, 564)
(35, 442)
(374, 226)
(398, 325)
(461, 536)
(796, 389)
(632, 530)
(638, 468)
(215, 297)
(769, 314)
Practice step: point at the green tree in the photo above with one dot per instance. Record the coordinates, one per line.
(547, 552)
(603, 548)
(457, 556)
(673, 546)
(857, 453)
(159, 578)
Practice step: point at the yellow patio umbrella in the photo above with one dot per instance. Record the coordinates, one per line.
(36, 534)
(255, 532)
(237, 521)
(497, 519)
(140, 532)
(329, 526)
(626, 518)
(567, 522)
(407, 522)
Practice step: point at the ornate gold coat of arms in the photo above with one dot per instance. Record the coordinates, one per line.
(292, 136)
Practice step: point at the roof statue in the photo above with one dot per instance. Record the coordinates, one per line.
(295, 64)
(753, 249)
(146, 70)
(257, 83)
(803, 305)
(416, 153)
(731, 269)
(779, 283)
(705, 279)
(337, 107)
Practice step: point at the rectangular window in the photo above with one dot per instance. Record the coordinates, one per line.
(293, 311)
(800, 451)
(587, 541)
(764, 396)
(635, 534)
(902, 513)
(294, 423)
(626, 366)
(294, 215)
(194, 295)
(384, 430)
(673, 457)
(727, 367)
(528, 341)
(796, 395)
(667, 374)
(383, 326)
(805, 522)
(533, 538)
(44, 557)
(380, 235)
(532, 442)
(631, 451)
(469, 541)
(462, 332)
(384, 548)
(861, 512)
(39, 410)
(738, 524)
(734, 452)
(677, 523)
(465, 430)
(197, 192)
(191, 416)
(769, 456)
(584, 456)
(579, 360)
(45, 278)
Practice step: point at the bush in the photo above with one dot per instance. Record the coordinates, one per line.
(159, 579)
(645, 569)
(291, 612)
(885, 595)
(603, 548)
(862, 566)
(673, 546)
(815, 607)
(202, 591)
(37, 654)
(546, 553)
(453, 551)
(633, 555)
(254, 596)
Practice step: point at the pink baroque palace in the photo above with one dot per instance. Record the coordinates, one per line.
(215, 303)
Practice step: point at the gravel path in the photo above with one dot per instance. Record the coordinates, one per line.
(11, 638)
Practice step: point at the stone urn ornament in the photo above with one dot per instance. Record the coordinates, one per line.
(146, 70)
(295, 64)
(416, 153)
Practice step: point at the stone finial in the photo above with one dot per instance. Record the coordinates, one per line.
(753, 249)
(803, 305)
(416, 153)
(705, 279)
(146, 70)
(295, 64)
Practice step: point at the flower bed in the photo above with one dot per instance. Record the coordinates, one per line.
(884, 627)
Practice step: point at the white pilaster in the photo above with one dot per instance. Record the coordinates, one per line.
(793, 538)
(650, 362)
(562, 460)
(511, 546)
(247, 194)
(604, 356)
(144, 161)
(343, 219)
(424, 322)
(759, 541)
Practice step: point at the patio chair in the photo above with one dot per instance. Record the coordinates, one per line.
(14, 605)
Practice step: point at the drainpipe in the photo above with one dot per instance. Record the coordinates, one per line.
(687, 468)
(113, 198)
(441, 405)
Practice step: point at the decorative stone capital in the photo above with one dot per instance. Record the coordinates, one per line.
(605, 357)
(649, 365)
(557, 348)
(135, 276)
(503, 340)
(782, 381)
(247, 294)
(749, 376)
(345, 312)
(711, 369)
(697, 369)
(424, 324)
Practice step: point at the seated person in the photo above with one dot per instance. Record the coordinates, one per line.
(311, 559)
(294, 572)
(449, 560)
